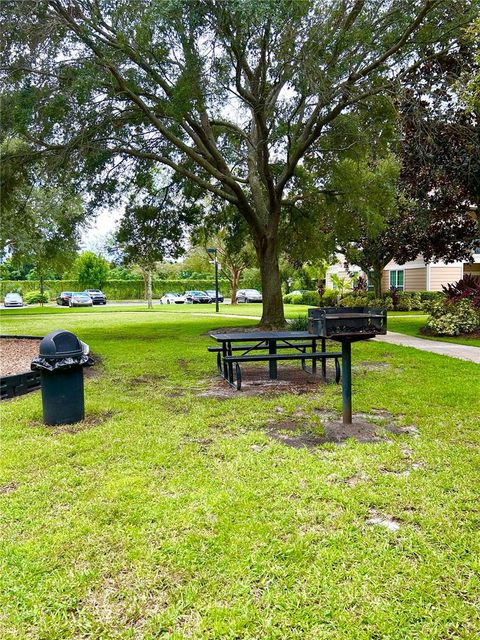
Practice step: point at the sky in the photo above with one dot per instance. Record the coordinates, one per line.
(94, 236)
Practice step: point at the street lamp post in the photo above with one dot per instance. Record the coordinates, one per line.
(213, 252)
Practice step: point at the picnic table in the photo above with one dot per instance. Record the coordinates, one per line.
(236, 348)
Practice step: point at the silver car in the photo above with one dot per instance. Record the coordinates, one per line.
(13, 300)
(249, 295)
(80, 299)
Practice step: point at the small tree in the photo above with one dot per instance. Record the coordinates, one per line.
(229, 235)
(91, 270)
(234, 258)
(49, 241)
(150, 232)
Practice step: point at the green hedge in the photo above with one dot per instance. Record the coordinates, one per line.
(113, 289)
(307, 297)
(406, 300)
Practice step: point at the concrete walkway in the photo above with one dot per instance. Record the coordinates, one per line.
(464, 352)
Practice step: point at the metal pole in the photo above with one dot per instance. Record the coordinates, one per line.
(347, 381)
(216, 284)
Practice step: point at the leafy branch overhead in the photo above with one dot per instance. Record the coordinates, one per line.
(232, 95)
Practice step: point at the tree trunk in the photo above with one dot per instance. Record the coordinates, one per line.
(42, 288)
(377, 272)
(235, 279)
(267, 253)
(149, 288)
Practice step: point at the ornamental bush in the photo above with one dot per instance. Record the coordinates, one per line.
(329, 298)
(300, 323)
(466, 288)
(354, 300)
(384, 303)
(292, 298)
(35, 297)
(311, 298)
(453, 318)
(409, 301)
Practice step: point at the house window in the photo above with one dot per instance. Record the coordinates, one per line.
(396, 279)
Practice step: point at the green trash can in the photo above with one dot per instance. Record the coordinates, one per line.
(60, 362)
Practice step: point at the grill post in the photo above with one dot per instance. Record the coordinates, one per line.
(347, 381)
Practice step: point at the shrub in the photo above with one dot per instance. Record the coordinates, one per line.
(409, 301)
(292, 298)
(311, 298)
(329, 298)
(35, 297)
(430, 296)
(354, 300)
(300, 323)
(307, 297)
(452, 318)
(466, 288)
(384, 303)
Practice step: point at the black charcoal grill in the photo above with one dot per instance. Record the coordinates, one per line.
(347, 325)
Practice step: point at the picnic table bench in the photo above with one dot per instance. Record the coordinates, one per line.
(302, 346)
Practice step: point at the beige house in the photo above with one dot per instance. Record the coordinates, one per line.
(413, 276)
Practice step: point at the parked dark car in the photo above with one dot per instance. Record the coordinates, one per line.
(97, 296)
(212, 294)
(196, 297)
(64, 298)
(249, 295)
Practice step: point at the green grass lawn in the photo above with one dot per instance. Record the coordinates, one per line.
(171, 515)
(408, 322)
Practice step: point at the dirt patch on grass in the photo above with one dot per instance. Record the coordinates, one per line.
(91, 421)
(16, 355)
(370, 366)
(381, 520)
(365, 428)
(8, 488)
(151, 378)
(97, 369)
(174, 393)
(125, 601)
(256, 382)
(293, 434)
(183, 364)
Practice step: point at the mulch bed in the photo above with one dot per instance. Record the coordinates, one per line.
(16, 355)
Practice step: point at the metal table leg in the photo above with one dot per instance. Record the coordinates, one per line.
(324, 362)
(347, 381)
(230, 364)
(272, 365)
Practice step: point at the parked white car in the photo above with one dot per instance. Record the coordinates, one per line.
(171, 298)
(249, 295)
(13, 300)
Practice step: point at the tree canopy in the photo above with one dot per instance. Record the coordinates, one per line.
(233, 95)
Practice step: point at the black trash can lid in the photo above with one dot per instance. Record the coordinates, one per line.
(60, 344)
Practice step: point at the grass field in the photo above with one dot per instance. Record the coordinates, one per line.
(408, 322)
(167, 514)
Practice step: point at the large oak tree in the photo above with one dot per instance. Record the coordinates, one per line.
(234, 95)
